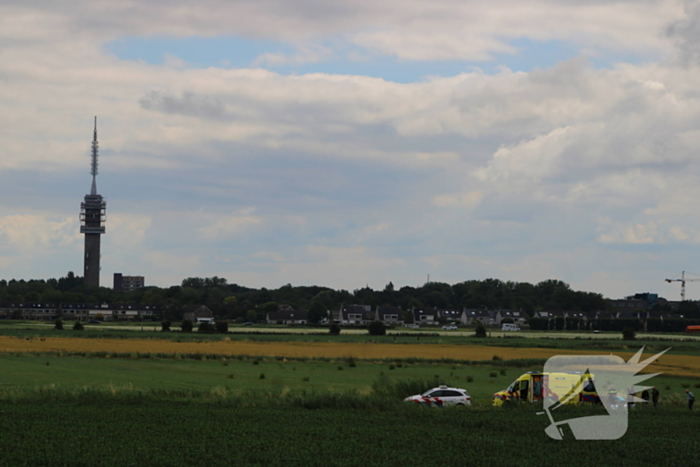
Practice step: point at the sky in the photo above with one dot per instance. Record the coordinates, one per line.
(355, 143)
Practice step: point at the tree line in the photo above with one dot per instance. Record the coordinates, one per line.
(231, 301)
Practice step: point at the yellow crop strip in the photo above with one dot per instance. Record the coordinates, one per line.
(681, 365)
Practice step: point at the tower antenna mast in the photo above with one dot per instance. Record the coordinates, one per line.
(92, 219)
(93, 165)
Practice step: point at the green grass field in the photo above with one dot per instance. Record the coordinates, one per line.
(90, 410)
(162, 433)
(23, 375)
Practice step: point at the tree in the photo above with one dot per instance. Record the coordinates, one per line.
(186, 325)
(317, 312)
(58, 324)
(480, 331)
(165, 326)
(251, 316)
(436, 299)
(629, 334)
(78, 326)
(559, 323)
(334, 329)
(269, 307)
(222, 327)
(229, 307)
(377, 328)
(69, 282)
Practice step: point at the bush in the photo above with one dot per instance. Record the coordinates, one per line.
(165, 325)
(493, 374)
(334, 329)
(205, 327)
(78, 326)
(222, 327)
(470, 379)
(186, 325)
(629, 334)
(58, 324)
(376, 328)
(480, 331)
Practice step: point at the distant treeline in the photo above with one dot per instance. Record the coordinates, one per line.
(235, 301)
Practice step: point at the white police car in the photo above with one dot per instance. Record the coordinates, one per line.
(442, 396)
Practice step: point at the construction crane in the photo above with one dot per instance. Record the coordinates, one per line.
(683, 280)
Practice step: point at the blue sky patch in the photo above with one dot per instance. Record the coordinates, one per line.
(240, 52)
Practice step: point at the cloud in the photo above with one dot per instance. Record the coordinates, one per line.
(305, 54)
(188, 104)
(28, 233)
(222, 226)
(415, 30)
(354, 179)
(685, 32)
(469, 199)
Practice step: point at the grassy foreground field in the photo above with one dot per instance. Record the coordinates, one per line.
(29, 376)
(98, 433)
(219, 401)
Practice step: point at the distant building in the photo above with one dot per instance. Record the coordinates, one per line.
(644, 301)
(287, 315)
(127, 283)
(197, 313)
(77, 311)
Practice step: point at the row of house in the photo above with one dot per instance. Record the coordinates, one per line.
(394, 316)
(76, 311)
(363, 314)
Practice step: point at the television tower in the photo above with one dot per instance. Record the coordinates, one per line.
(92, 217)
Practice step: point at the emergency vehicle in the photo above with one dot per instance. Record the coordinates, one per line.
(538, 386)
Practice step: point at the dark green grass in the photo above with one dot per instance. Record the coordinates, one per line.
(30, 375)
(159, 433)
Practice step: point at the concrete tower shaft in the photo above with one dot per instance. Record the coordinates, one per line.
(92, 216)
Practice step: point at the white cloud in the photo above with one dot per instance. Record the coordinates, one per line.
(227, 225)
(38, 233)
(355, 179)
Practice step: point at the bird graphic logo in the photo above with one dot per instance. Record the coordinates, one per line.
(615, 382)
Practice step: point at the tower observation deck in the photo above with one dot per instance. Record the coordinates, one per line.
(92, 218)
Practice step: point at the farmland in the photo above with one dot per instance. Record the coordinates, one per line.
(178, 399)
(95, 432)
(675, 364)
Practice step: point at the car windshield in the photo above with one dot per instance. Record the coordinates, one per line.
(428, 392)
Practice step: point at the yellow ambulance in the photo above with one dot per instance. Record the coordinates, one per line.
(537, 386)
